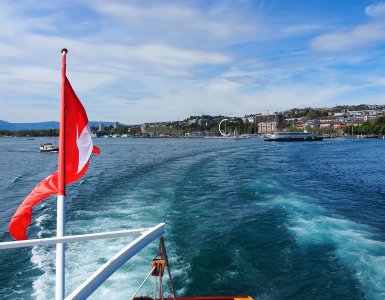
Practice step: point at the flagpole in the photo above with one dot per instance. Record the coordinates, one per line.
(60, 221)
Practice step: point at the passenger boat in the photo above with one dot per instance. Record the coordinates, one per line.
(293, 137)
(49, 147)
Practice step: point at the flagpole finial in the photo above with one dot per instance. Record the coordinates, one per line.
(64, 51)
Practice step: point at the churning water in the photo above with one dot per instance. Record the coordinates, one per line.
(271, 220)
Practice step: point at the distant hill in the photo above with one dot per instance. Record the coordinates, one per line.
(28, 126)
(38, 126)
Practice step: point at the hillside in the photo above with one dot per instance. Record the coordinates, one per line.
(38, 126)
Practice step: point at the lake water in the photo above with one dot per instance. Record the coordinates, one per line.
(270, 220)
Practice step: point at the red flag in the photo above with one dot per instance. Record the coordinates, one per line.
(78, 149)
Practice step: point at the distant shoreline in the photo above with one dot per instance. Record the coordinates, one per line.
(370, 136)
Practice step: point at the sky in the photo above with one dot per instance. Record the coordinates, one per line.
(148, 61)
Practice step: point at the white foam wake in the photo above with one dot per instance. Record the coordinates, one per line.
(84, 258)
(355, 244)
(43, 257)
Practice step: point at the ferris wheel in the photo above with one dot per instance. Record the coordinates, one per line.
(223, 133)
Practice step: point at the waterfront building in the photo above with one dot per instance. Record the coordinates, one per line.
(368, 117)
(339, 125)
(293, 121)
(313, 123)
(267, 127)
(299, 125)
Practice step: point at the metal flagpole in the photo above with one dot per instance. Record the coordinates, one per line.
(60, 221)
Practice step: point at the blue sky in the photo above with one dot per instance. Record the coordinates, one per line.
(144, 61)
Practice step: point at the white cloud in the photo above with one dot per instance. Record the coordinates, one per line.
(376, 10)
(302, 28)
(182, 24)
(132, 13)
(345, 40)
(176, 58)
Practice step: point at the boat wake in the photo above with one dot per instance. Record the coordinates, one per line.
(84, 258)
(356, 246)
(43, 258)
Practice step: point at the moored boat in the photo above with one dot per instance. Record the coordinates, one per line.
(49, 147)
(293, 137)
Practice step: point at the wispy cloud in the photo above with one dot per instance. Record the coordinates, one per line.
(182, 24)
(362, 35)
(246, 79)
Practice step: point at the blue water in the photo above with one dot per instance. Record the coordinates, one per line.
(271, 220)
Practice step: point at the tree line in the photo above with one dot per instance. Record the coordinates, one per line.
(28, 133)
(375, 126)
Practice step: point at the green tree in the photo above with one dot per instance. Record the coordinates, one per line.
(348, 129)
(379, 121)
(382, 129)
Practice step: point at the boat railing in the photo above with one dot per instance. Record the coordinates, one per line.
(145, 237)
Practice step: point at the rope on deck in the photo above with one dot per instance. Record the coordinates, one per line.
(162, 249)
(163, 254)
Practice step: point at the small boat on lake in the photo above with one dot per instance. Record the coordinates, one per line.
(293, 137)
(49, 147)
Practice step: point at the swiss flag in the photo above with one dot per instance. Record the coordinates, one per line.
(78, 149)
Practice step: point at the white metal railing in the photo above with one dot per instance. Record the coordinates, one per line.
(72, 238)
(146, 236)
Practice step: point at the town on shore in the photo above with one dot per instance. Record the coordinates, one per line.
(358, 120)
(348, 120)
